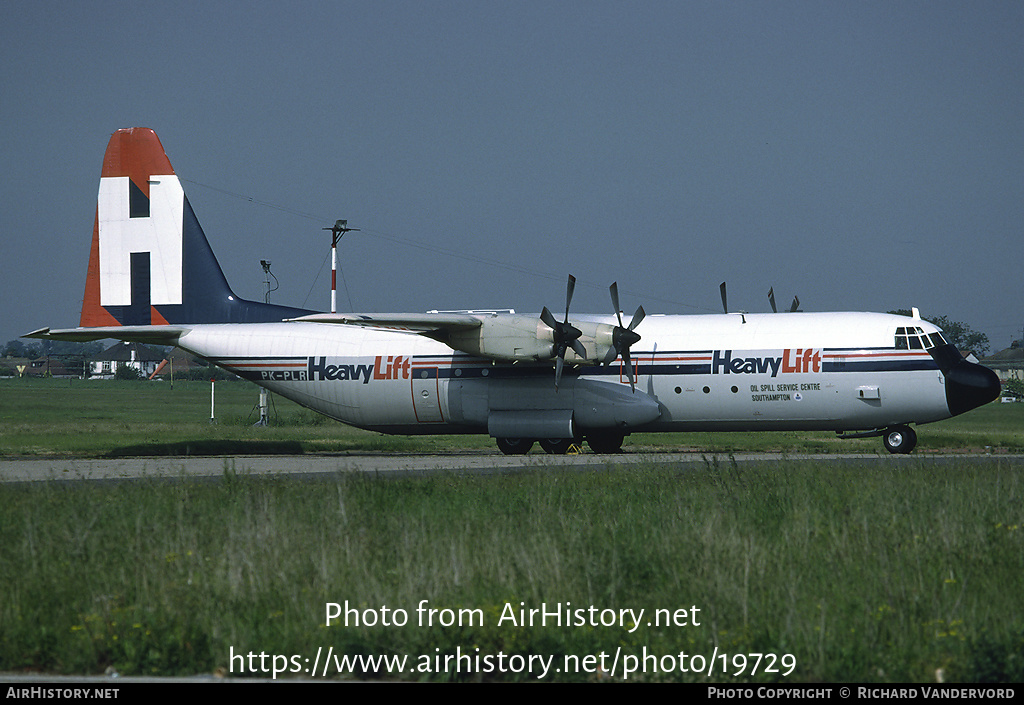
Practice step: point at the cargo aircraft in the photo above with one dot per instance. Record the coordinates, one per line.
(153, 278)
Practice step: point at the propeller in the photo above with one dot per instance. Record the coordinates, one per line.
(566, 335)
(623, 338)
(793, 307)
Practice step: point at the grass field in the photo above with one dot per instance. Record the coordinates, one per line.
(100, 418)
(888, 575)
(907, 573)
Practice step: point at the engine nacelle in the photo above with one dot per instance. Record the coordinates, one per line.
(596, 339)
(520, 338)
(513, 338)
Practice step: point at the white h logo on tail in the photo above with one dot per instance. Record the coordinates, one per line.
(159, 234)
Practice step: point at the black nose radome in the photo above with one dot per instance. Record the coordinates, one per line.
(968, 385)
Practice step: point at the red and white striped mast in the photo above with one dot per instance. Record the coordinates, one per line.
(339, 230)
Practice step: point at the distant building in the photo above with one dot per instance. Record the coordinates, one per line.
(15, 366)
(142, 358)
(1007, 364)
(54, 366)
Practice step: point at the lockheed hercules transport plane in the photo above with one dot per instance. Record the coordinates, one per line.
(522, 379)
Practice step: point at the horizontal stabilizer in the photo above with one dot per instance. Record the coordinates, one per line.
(157, 335)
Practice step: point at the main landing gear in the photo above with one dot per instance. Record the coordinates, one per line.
(603, 442)
(606, 442)
(515, 446)
(556, 446)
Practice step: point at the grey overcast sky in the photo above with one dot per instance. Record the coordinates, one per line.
(861, 155)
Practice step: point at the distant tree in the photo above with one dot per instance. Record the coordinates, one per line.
(76, 349)
(127, 372)
(1013, 388)
(960, 334)
(16, 348)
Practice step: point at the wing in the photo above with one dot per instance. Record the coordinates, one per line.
(491, 334)
(439, 326)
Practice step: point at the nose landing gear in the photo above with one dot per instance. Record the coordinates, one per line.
(899, 439)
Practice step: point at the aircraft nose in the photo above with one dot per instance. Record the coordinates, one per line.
(969, 386)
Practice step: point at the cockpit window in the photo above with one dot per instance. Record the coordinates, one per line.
(913, 338)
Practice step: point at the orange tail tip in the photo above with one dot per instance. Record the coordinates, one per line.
(136, 152)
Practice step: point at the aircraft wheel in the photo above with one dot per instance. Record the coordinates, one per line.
(556, 446)
(606, 442)
(515, 446)
(899, 439)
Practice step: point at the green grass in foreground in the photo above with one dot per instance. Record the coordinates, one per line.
(881, 575)
(101, 418)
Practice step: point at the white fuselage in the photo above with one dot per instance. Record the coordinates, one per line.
(827, 371)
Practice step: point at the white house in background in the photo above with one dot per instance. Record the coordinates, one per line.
(142, 358)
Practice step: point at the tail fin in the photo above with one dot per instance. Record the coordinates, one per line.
(150, 262)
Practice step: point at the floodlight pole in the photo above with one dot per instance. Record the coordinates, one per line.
(337, 232)
(263, 421)
(267, 274)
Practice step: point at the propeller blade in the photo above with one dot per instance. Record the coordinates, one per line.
(771, 299)
(558, 369)
(569, 288)
(578, 347)
(637, 317)
(725, 302)
(548, 319)
(629, 368)
(614, 289)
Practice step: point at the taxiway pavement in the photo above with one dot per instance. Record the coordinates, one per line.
(391, 464)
